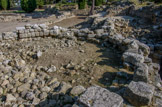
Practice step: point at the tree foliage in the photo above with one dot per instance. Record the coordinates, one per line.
(28, 5)
(3, 4)
(82, 4)
(40, 3)
(98, 2)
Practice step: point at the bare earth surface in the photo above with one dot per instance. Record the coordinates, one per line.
(70, 22)
(10, 26)
(80, 63)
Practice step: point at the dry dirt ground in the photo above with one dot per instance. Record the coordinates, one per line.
(10, 26)
(80, 63)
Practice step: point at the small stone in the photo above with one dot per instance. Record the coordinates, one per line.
(77, 90)
(10, 98)
(1, 90)
(141, 73)
(30, 96)
(39, 54)
(52, 69)
(36, 101)
(23, 87)
(5, 82)
(43, 95)
(46, 89)
(63, 87)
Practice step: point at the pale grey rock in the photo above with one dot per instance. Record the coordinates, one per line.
(36, 101)
(10, 98)
(85, 31)
(46, 32)
(20, 29)
(52, 69)
(145, 49)
(141, 73)
(133, 45)
(43, 26)
(77, 90)
(63, 87)
(39, 54)
(23, 87)
(96, 96)
(46, 89)
(91, 35)
(29, 96)
(43, 95)
(99, 31)
(132, 58)
(139, 93)
(28, 26)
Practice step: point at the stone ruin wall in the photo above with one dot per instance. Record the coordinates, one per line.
(135, 55)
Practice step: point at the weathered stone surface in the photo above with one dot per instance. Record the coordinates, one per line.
(9, 35)
(132, 58)
(23, 87)
(141, 73)
(139, 93)
(10, 98)
(63, 87)
(96, 96)
(77, 90)
(145, 49)
(43, 26)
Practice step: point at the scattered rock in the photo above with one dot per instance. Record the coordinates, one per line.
(142, 93)
(10, 98)
(96, 96)
(77, 90)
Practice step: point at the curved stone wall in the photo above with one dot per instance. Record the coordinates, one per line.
(146, 80)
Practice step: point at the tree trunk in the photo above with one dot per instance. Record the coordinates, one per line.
(92, 7)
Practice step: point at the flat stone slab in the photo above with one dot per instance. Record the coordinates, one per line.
(139, 93)
(96, 96)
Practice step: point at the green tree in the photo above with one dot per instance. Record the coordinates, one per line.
(82, 4)
(28, 5)
(3, 4)
(98, 2)
(40, 3)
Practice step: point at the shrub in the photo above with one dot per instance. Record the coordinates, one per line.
(82, 4)
(40, 3)
(28, 5)
(3, 4)
(98, 2)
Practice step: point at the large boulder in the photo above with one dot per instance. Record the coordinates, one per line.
(141, 73)
(139, 93)
(132, 58)
(96, 96)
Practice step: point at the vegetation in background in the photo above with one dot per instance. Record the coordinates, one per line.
(28, 5)
(98, 2)
(40, 3)
(82, 4)
(3, 4)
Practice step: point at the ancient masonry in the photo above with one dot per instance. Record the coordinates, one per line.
(146, 81)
